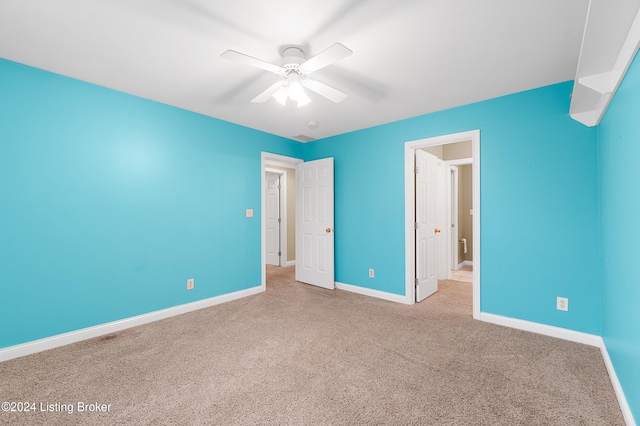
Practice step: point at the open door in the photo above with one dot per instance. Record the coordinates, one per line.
(314, 223)
(273, 219)
(429, 222)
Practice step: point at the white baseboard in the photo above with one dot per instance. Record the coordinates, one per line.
(547, 330)
(111, 327)
(622, 399)
(290, 263)
(464, 263)
(573, 336)
(372, 293)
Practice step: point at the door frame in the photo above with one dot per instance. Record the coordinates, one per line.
(269, 159)
(454, 239)
(409, 186)
(452, 192)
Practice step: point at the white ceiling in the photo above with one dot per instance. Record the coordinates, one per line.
(411, 57)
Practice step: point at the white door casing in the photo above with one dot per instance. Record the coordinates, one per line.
(442, 220)
(273, 221)
(314, 223)
(267, 161)
(410, 148)
(430, 208)
(454, 217)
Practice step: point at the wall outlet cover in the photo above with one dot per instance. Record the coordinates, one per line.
(190, 283)
(562, 304)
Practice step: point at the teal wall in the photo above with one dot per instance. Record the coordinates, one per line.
(619, 140)
(539, 205)
(110, 202)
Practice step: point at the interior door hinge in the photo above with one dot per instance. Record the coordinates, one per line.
(279, 220)
(415, 282)
(416, 171)
(279, 253)
(415, 225)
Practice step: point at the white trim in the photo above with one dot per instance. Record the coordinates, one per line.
(475, 170)
(409, 196)
(547, 330)
(622, 399)
(112, 327)
(460, 162)
(464, 263)
(276, 160)
(372, 293)
(573, 336)
(452, 202)
(291, 263)
(279, 161)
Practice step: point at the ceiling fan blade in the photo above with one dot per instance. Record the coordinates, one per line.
(264, 96)
(328, 92)
(328, 56)
(249, 60)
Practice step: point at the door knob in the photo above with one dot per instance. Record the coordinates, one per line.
(437, 231)
(328, 230)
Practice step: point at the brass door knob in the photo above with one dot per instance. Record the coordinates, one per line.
(328, 230)
(437, 231)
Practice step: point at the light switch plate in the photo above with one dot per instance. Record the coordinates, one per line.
(249, 212)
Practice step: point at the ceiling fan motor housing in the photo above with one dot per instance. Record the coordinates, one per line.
(292, 56)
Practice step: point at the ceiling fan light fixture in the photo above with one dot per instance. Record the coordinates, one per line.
(281, 95)
(296, 92)
(292, 90)
(303, 100)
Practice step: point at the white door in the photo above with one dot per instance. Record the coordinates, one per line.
(272, 207)
(314, 223)
(429, 223)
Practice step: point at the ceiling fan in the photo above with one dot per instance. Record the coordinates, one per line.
(294, 74)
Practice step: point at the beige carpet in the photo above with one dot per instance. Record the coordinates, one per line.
(298, 355)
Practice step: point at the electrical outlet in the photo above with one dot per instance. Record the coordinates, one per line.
(371, 274)
(562, 303)
(190, 283)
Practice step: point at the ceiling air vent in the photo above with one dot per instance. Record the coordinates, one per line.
(303, 138)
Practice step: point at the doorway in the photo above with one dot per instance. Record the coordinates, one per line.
(431, 144)
(311, 196)
(461, 205)
(285, 167)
